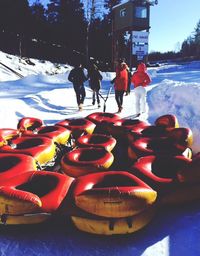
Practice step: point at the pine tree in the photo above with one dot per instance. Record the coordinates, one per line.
(197, 39)
(68, 22)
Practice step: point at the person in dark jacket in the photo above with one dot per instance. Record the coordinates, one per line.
(95, 78)
(77, 77)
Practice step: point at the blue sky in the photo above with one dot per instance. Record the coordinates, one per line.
(171, 21)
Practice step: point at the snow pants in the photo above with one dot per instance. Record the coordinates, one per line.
(95, 95)
(80, 95)
(140, 99)
(119, 98)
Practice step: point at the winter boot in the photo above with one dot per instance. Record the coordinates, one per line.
(93, 102)
(80, 107)
(120, 109)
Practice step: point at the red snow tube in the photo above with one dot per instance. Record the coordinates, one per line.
(2, 142)
(96, 140)
(151, 131)
(182, 135)
(177, 135)
(191, 175)
(7, 134)
(120, 128)
(160, 172)
(78, 126)
(15, 164)
(81, 161)
(41, 149)
(112, 194)
(157, 146)
(168, 121)
(29, 124)
(101, 117)
(30, 194)
(57, 133)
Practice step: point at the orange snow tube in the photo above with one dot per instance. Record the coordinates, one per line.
(81, 161)
(27, 198)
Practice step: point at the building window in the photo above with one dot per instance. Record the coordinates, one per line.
(141, 12)
(122, 12)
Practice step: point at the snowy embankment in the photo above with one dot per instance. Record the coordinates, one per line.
(176, 90)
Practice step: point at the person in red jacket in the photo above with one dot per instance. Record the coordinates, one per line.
(140, 79)
(120, 83)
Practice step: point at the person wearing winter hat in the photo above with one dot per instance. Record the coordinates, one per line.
(77, 77)
(120, 83)
(140, 79)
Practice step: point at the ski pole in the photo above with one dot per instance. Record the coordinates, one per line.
(104, 106)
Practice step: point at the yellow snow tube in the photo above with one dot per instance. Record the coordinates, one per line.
(113, 194)
(29, 218)
(42, 149)
(114, 226)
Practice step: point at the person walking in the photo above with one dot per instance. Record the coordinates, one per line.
(77, 77)
(95, 78)
(120, 83)
(140, 79)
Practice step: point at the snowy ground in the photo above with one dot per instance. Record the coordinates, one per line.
(45, 93)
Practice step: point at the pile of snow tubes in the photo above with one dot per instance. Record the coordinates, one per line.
(107, 175)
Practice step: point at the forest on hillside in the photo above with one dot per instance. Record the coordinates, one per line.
(64, 30)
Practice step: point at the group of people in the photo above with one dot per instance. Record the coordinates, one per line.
(78, 77)
(122, 82)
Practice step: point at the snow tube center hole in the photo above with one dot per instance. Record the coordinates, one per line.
(115, 181)
(39, 185)
(8, 162)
